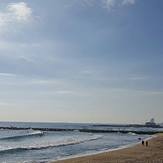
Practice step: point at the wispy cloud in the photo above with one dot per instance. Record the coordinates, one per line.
(110, 4)
(128, 2)
(137, 78)
(65, 92)
(4, 103)
(15, 13)
(7, 75)
(21, 11)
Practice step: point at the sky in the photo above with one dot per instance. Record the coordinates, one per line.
(81, 60)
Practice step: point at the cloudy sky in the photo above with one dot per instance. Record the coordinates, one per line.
(81, 60)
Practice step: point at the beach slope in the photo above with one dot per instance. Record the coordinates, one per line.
(136, 154)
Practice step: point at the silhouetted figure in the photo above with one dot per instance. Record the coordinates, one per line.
(146, 143)
(142, 142)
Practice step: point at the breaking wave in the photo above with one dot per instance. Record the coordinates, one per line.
(28, 134)
(50, 145)
(132, 133)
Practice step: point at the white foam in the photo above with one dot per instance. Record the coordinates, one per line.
(23, 133)
(69, 141)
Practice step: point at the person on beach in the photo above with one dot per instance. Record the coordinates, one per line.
(142, 142)
(146, 143)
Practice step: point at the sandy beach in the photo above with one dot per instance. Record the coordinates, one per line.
(136, 154)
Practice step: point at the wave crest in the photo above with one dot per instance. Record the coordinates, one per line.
(28, 134)
(49, 145)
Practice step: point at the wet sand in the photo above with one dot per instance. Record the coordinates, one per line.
(136, 154)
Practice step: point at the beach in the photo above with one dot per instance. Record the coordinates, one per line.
(135, 154)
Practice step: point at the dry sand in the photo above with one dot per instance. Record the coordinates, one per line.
(136, 154)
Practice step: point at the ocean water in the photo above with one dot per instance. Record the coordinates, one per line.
(34, 146)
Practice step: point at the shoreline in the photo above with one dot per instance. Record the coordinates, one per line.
(104, 151)
(91, 157)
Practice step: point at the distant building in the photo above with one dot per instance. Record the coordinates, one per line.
(151, 123)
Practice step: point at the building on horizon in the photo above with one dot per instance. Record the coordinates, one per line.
(151, 123)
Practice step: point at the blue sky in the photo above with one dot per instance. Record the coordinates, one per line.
(81, 60)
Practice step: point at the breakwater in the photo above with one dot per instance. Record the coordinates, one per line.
(149, 132)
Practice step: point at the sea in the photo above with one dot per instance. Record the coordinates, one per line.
(39, 146)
